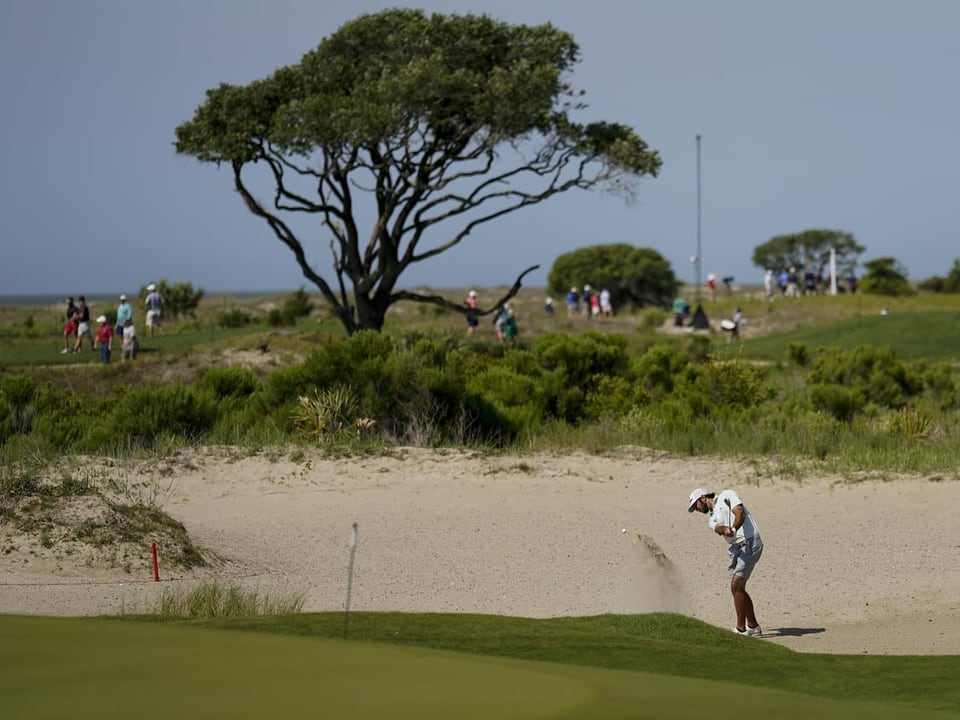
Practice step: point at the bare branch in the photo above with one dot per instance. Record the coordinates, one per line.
(460, 307)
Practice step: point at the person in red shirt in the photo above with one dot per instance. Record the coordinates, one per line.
(104, 339)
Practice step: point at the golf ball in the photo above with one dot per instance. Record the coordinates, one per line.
(623, 530)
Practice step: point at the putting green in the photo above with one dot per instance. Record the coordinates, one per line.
(94, 668)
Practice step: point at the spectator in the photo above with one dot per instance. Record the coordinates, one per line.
(104, 339)
(681, 309)
(130, 346)
(70, 326)
(124, 312)
(793, 283)
(737, 317)
(500, 323)
(472, 320)
(852, 282)
(605, 305)
(768, 283)
(587, 300)
(573, 302)
(510, 330)
(83, 325)
(548, 306)
(154, 307)
(712, 285)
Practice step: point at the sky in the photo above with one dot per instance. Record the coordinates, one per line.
(838, 114)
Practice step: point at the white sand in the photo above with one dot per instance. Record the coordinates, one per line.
(868, 567)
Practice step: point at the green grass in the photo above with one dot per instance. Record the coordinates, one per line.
(446, 666)
(930, 334)
(213, 600)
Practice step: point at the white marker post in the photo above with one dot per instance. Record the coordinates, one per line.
(353, 550)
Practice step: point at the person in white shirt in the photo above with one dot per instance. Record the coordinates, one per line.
(129, 344)
(154, 307)
(730, 519)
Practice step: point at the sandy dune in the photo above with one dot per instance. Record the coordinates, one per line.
(866, 567)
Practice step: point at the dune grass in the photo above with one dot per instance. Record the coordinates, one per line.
(442, 666)
(213, 600)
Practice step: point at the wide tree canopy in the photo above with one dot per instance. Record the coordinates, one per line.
(886, 276)
(400, 134)
(809, 250)
(634, 276)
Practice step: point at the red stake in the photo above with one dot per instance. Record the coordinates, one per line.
(156, 565)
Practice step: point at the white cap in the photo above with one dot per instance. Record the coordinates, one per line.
(151, 287)
(473, 293)
(102, 319)
(123, 297)
(696, 495)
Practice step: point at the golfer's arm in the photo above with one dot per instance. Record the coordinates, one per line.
(737, 517)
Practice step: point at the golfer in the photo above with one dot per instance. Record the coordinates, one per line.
(730, 519)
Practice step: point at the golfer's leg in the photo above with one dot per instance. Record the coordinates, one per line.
(741, 601)
(751, 617)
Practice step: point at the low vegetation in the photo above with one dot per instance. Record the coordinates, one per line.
(212, 600)
(826, 390)
(844, 384)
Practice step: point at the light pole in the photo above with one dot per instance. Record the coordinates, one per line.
(699, 256)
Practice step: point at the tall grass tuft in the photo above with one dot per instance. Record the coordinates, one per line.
(211, 600)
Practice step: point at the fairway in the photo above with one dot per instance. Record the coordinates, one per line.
(88, 668)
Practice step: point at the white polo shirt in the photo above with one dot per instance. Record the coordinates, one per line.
(723, 515)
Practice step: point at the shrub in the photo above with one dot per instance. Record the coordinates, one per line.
(229, 382)
(734, 384)
(842, 403)
(141, 415)
(296, 305)
(872, 371)
(18, 404)
(660, 369)
(326, 412)
(798, 354)
(505, 401)
(610, 397)
(234, 318)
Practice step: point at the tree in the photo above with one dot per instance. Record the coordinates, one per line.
(634, 276)
(178, 299)
(949, 284)
(809, 250)
(885, 276)
(400, 125)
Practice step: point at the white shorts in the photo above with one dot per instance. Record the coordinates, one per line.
(153, 317)
(83, 329)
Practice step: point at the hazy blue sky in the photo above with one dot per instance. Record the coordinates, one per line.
(838, 114)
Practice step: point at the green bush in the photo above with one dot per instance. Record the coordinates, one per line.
(798, 354)
(660, 369)
(842, 403)
(734, 384)
(506, 402)
(143, 414)
(610, 397)
(234, 318)
(18, 404)
(296, 305)
(229, 382)
(872, 371)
